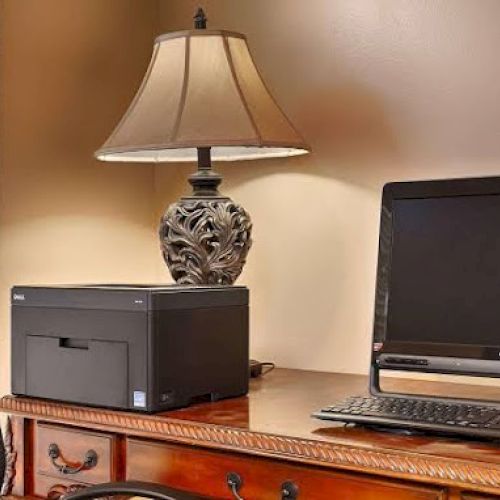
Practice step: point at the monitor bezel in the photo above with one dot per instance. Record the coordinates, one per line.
(421, 190)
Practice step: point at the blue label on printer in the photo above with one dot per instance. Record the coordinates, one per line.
(140, 399)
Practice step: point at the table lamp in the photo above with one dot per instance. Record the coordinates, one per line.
(203, 99)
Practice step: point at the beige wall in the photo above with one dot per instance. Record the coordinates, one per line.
(69, 70)
(382, 90)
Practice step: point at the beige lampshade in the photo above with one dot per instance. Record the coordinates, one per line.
(202, 89)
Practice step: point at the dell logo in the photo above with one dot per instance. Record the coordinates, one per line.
(18, 296)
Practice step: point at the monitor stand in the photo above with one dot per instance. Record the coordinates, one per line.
(377, 391)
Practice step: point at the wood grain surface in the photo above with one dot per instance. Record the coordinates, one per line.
(274, 421)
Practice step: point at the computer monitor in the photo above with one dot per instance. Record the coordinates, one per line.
(438, 281)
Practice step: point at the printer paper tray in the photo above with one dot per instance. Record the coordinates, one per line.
(77, 371)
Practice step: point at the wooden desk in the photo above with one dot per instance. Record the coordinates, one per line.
(267, 438)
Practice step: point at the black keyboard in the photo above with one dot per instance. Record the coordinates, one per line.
(450, 417)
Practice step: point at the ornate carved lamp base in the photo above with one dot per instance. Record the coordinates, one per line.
(206, 237)
(205, 241)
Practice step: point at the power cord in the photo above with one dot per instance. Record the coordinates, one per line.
(258, 368)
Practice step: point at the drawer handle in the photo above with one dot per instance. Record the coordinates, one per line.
(289, 491)
(89, 461)
(235, 483)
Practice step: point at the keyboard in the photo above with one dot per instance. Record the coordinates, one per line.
(441, 416)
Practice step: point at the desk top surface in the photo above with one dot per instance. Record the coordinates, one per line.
(274, 420)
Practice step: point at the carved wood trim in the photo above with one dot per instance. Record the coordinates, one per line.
(407, 465)
(10, 460)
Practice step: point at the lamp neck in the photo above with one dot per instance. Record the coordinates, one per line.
(200, 20)
(205, 181)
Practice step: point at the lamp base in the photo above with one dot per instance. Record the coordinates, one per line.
(205, 240)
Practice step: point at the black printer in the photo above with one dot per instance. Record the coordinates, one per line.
(131, 347)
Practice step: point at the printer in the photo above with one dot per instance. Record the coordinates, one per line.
(131, 347)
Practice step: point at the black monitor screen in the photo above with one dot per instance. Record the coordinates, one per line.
(444, 282)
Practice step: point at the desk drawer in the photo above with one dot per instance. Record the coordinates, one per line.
(73, 445)
(53, 488)
(204, 472)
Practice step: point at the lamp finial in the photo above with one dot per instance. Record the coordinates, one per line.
(200, 20)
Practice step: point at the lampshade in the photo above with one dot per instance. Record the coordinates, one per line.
(202, 89)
